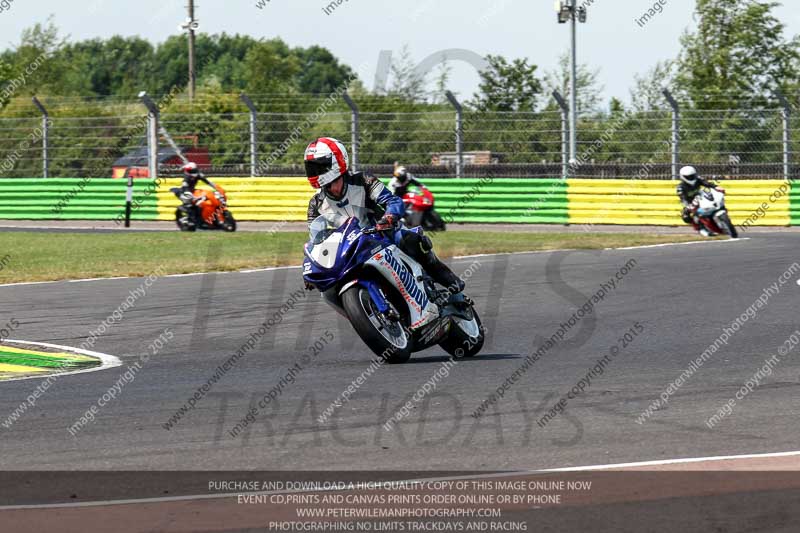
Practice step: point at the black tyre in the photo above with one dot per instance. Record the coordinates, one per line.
(186, 225)
(435, 222)
(466, 336)
(229, 224)
(388, 340)
(727, 226)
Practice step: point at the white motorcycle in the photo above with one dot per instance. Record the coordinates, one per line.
(709, 208)
(393, 305)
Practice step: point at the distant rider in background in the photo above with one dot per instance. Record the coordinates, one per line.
(688, 188)
(344, 194)
(191, 175)
(402, 180)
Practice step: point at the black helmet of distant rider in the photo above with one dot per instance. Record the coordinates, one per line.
(690, 185)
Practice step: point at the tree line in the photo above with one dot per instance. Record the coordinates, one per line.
(738, 57)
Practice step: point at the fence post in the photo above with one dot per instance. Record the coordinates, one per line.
(45, 136)
(676, 133)
(459, 133)
(786, 114)
(253, 130)
(152, 134)
(564, 134)
(354, 127)
(128, 197)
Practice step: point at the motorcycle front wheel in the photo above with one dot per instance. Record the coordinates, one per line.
(727, 226)
(228, 223)
(389, 340)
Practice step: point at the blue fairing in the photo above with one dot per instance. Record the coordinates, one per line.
(354, 250)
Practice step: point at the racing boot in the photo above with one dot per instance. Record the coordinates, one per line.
(439, 271)
(442, 274)
(420, 247)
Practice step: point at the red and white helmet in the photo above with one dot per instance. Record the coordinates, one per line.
(191, 169)
(326, 159)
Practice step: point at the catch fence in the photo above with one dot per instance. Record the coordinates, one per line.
(265, 136)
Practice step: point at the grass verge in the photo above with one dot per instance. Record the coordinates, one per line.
(29, 256)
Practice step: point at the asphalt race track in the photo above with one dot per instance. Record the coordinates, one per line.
(682, 297)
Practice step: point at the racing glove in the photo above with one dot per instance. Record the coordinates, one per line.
(388, 222)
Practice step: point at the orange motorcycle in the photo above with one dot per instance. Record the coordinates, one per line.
(206, 210)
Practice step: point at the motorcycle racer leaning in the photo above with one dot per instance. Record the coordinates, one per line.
(687, 190)
(344, 194)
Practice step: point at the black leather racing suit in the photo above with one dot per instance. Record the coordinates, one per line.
(190, 183)
(186, 192)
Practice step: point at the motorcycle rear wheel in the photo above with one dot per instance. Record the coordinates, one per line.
(435, 221)
(389, 341)
(466, 337)
(188, 226)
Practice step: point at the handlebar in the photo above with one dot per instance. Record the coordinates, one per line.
(375, 231)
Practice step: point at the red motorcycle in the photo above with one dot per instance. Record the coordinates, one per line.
(420, 211)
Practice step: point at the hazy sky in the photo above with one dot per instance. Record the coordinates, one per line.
(357, 30)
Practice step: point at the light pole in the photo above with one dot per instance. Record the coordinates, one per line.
(568, 11)
(190, 26)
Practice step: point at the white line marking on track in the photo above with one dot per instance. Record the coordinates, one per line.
(417, 480)
(514, 253)
(27, 283)
(106, 361)
(675, 461)
(94, 279)
(269, 269)
(664, 245)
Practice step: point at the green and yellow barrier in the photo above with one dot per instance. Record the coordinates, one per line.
(469, 200)
(466, 200)
(71, 199)
(250, 198)
(654, 202)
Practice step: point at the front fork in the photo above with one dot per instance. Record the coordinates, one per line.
(375, 293)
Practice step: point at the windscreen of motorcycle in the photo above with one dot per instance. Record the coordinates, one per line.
(709, 202)
(324, 253)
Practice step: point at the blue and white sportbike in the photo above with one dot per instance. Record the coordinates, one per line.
(393, 305)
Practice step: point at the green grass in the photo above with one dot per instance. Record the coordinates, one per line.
(32, 256)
